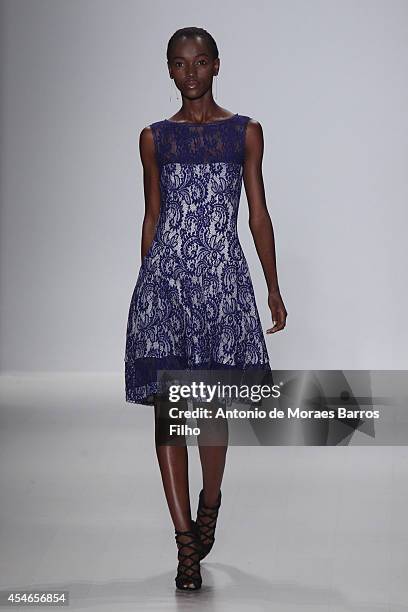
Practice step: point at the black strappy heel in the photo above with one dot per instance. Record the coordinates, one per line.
(189, 549)
(206, 522)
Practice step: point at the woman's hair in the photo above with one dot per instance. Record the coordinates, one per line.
(191, 33)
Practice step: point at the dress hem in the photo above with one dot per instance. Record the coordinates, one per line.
(138, 392)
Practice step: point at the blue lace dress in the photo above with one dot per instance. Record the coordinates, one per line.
(193, 305)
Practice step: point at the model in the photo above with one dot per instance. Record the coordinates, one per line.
(193, 306)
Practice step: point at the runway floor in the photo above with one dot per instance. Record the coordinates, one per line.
(320, 529)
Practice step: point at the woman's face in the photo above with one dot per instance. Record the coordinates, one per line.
(192, 67)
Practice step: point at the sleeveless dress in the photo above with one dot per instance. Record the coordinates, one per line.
(193, 305)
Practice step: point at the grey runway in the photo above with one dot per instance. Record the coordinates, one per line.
(83, 510)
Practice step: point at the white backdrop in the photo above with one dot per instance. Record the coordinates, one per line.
(327, 81)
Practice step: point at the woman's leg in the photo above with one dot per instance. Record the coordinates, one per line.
(173, 462)
(213, 445)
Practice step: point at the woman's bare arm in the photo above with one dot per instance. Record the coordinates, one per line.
(151, 187)
(260, 222)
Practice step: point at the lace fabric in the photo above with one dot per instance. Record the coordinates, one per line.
(191, 143)
(193, 305)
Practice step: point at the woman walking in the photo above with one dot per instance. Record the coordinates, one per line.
(193, 306)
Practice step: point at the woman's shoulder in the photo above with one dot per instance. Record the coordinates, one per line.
(151, 128)
(151, 132)
(250, 119)
(253, 126)
(250, 123)
(158, 123)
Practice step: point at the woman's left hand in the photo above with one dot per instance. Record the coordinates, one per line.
(278, 311)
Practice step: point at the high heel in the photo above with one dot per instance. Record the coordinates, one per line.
(189, 549)
(206, 522)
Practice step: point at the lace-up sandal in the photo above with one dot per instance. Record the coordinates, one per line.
(189, 548)
(206, 522)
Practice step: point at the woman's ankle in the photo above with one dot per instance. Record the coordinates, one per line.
(211, 498)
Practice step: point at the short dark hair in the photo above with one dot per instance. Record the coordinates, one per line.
(191, 32)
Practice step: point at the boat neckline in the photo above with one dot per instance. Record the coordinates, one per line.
(197, 123)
